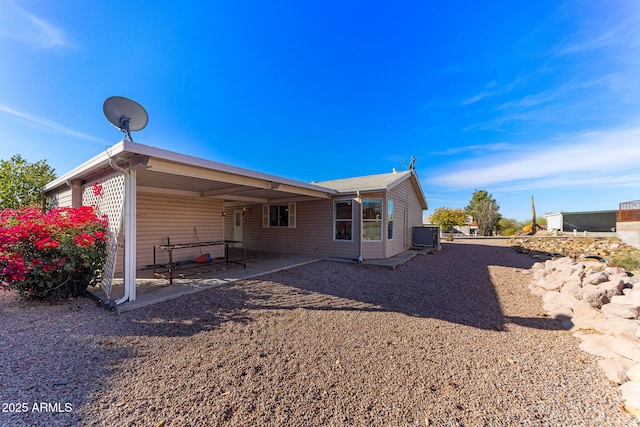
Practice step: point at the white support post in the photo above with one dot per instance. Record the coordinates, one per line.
(358, 204)
(129, 237)
(130, 233)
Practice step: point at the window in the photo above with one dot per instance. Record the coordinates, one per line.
(279, 215)
(371, 219)
(343, 220)
(390, 219)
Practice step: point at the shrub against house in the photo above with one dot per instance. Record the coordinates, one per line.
(51, 255)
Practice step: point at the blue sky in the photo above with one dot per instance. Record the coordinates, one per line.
(518, 98)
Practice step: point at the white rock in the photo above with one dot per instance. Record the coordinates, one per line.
(549, 299)
(598, 345)
(595, 278)
(627, 297)
(615, 270)
(537, 291)
(595, 296)
(567, 300)
(616, 369)
(573, 288)
(627, 346)
(615, 285)
(634, 373)
(584, 316)
(601, 294)
(615, 326)
(631, 394)
(624, 311)
(553, 282)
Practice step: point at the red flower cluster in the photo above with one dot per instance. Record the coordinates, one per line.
(97, 189)
(40, 249)
(84, 240)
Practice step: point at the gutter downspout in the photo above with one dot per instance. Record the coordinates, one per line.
(129, 233)
(358, 200)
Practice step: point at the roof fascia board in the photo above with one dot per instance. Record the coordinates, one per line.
(398, 181)
(418, 188)
(92, 163)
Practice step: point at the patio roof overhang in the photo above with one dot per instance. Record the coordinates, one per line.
(165, 172)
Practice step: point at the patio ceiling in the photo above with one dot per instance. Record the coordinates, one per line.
(168, 177)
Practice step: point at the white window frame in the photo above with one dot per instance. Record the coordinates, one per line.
(390, 214)
(368, 220)
(335, 220)
(291, 211)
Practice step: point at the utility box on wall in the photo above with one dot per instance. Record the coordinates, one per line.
(427, 236)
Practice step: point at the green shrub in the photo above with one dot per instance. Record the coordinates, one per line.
(628, 261)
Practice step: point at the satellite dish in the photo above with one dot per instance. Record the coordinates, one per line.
(125, 114)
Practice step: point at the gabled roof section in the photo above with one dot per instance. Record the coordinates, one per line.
(379, 182)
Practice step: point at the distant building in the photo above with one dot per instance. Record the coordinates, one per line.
(628, 227)
(601, 221)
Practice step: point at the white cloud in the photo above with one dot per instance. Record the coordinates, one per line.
(45, 124)
(591, 38)
(589, 158)
(30, 29)
(481, 148)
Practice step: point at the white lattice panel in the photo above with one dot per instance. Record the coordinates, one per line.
(107, 196)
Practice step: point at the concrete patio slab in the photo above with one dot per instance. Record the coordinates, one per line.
(150, 290)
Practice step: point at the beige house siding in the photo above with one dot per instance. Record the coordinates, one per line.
(159, 217)
(61, 199)
(313, 233)
(407, 214)
(228, 223)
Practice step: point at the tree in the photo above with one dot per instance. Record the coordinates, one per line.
(448, 218)
(508, 226)
(21, 182)
(484, 210)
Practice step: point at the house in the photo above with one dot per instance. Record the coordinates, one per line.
(156, 197)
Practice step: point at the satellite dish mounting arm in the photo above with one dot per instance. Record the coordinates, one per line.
(125, 114)
(124, 127)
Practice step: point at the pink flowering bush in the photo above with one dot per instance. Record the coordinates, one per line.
(51, 255)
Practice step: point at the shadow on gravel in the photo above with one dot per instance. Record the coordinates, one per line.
(453, 284)
(189, 314)
(54, 360)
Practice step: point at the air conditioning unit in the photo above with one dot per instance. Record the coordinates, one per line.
(427, 236)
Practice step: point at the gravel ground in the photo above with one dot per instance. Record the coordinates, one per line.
(448, 339)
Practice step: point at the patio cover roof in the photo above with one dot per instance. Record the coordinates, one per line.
(168, 172)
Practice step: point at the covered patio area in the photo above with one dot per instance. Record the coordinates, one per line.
(152, 290)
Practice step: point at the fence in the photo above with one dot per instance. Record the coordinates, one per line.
(629, 211)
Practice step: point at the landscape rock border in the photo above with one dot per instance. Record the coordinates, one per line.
(601, 305)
